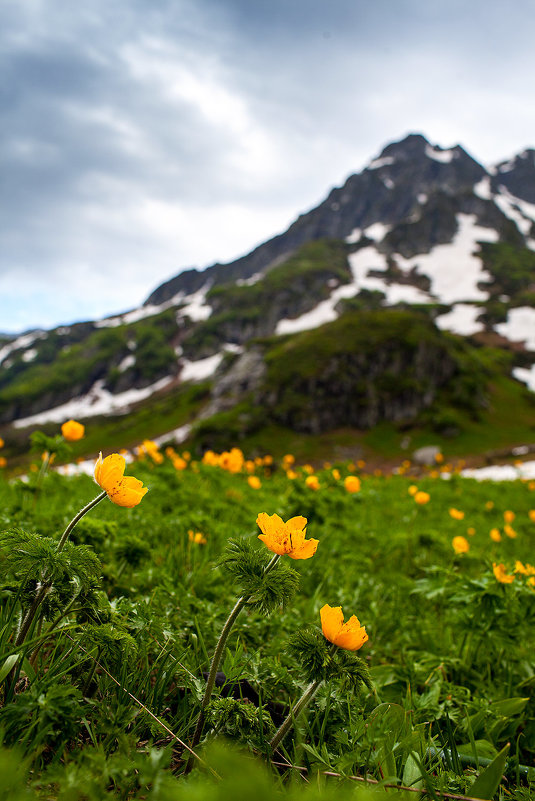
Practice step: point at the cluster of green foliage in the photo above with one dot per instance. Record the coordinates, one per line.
(109, 685)
(512, 269)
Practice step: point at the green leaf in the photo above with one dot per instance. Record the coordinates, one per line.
(509, 707)
(6, 668)
(488, 782)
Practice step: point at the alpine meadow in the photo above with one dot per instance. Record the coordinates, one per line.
(272, 533)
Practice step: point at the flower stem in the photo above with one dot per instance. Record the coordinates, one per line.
(77, 518)
(289, 721)
(45, 584)
(216, 659)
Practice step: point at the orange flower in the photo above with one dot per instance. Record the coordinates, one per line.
(350, 635)
(460, 544)
(197, 537)
(352, 483)
(495, 535)
(508, 516)
(72, 431)
(489, 505)
(501, 573)
(122, 490)
(422, 497)
(2, 443)
(312, 482)
(470, 531)
(456, 514)
(336, 474)
(531, 514)
(286, 538)
(509, 530)
(232, 460)
(3, 461)
(254, 482)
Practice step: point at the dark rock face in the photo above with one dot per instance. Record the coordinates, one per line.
(360, 390)
(518, 176)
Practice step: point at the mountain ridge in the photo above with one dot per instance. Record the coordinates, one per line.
(421, 228)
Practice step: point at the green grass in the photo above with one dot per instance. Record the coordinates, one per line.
(450, 648)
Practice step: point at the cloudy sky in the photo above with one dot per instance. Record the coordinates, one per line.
(142, 137)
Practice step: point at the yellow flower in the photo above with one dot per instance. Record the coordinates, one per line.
(456, 514)
(508, 516)
(489, 505)
(527, 569)
(122, 490)
(288, 459)
(72, 431)
(254, 482)
(422, 497)
(509, 530)
(336, 474)
(312, 482)
(531, 514)
(460, 544)
(286, 538)
(470, 531)
(179, 463)
(352, 483)
(291, 474)
(350, 635)
(413, 489)
(501, 573)
(232, 460)
(210, 457)
(495, 535)
(197, 537)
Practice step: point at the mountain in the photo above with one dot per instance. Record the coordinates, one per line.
(406, 296)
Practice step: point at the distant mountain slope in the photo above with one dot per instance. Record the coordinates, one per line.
(424, 229)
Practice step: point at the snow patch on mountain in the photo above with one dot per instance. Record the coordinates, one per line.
(483, 189)
(462, 319)
(385, 161)
(511, 207)
(324, 312)
(526, 375)
(453, 269)
(437, 154)
(200, 369)
(97, 401)
(377, 231)
(24, 341)
(519, 326)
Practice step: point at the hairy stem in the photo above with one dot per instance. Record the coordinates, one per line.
(289, 721)
(216, 659)
(45, 584)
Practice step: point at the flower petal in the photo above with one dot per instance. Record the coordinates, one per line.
(306, 550)
(332, 619)
(128, 492)
(109, 471)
